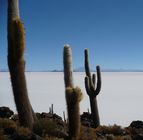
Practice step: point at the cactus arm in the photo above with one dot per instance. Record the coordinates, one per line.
(93, 79)
(87, 87)
(90, 91)
(98, 88)
(87, 69)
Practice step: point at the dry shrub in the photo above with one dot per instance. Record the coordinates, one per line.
(2, 136)
(23, 131)
(115, 130)
(52, 138)
(127, 137)
(87, 133)
(8, 126)
(133, 131)
(44, 126)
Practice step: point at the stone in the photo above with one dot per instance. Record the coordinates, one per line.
(138, 137)
(86, 119)
(137, 124)
(5, 112)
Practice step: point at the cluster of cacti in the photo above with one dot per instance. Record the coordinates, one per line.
(92, 89)
(73, 96)
(16, 65)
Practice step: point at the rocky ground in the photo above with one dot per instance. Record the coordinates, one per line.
(50, 126)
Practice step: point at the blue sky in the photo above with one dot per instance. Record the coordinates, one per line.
(112, 30)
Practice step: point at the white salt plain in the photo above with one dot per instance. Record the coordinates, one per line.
(120, 100)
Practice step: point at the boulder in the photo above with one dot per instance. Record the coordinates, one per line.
(86, 119)
(138, 137)
(14, 117)
(137, 124)
(5, 112)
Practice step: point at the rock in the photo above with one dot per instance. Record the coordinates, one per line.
(35, 137)
(15, 117)
(55, 116)
(138, 137)
(5, 112)
(30, 136)
(137, 124)
(127, 137)
(59, 134)
(46, 115)
(137, 130)
(110, 136)
(86, 119)
(38, 115)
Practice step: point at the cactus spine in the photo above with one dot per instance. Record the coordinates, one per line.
(16, 65)
(92, 89)
(73, 96)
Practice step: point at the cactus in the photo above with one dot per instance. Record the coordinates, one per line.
(16, 65)
(51, 110)
(92, 89)
(64, 117)
(73, 96)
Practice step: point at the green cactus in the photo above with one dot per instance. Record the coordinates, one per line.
(16, 63)
(73, 96)
(92, 89)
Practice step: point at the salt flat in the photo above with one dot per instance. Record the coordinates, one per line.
(120, 100)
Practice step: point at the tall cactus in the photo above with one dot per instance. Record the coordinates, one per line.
(73, 96)
(92, 89)
(16, 65)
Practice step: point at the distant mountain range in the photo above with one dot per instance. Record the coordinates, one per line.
(82, 69)
(3, 70)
